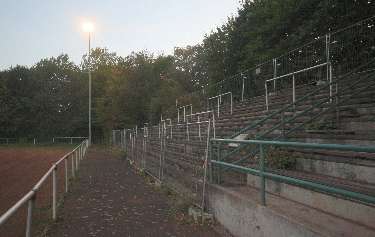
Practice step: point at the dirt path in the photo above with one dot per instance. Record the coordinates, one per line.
(112, 200)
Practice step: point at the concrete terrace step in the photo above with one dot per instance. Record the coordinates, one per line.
(239, 209)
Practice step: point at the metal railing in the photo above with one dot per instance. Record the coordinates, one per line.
(183, 108)
(71, 139)
(219, 101)
(76, 155)
(263, 174)
(198, 115)
(7, 140)
(293, 74)
(343, 49)
(279, 114)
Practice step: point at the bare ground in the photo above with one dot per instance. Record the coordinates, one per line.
(112, 200)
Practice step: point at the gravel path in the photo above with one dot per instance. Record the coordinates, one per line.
(112, 200)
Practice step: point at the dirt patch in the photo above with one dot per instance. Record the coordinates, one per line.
(20, 170)
(112, 200)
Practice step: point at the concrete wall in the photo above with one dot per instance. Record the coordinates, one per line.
(244, 217)
(340, 207)
(340, 170)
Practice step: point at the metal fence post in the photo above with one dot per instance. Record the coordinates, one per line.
(29, 221)
(294, 92)
(66, 175)
(76, 159)
(218, 106)
(266, 88)
(274, 73)
(54, 192)
(262, 177)
(218, 170)
(243, 88)
(73, 168)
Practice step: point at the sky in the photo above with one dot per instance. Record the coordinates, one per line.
(36, 29)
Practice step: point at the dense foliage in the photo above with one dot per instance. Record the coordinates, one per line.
(50, 98)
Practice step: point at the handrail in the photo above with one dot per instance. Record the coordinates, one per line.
(297, 72)
(274, 79)
(77, 154)
(286, 107)
(331, 189)
(300, 125)
(184, 108)
(218, 97)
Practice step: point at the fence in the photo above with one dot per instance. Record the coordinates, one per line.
(76, 155)
(7, 140)
(175, 154)
(70, 139)
(331, 55)
(261, 171)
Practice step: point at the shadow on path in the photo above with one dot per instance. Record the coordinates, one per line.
(110, 199)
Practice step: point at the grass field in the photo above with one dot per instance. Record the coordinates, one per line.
(21, 167)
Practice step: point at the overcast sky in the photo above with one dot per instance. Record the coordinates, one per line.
(36, 29)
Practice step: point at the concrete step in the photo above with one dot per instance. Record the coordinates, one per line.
(239, 210)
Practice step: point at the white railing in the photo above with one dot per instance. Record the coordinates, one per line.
(70, 139)
(198, 115)
(76, 155)
(292, 74)
(183, 108)
(8, 140)
(219, 101)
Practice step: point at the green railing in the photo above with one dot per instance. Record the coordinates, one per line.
(291, 107)
(217, 165)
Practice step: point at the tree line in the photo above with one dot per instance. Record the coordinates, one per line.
(50, 98)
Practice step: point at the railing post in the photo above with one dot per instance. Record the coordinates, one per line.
(266, 88)
(54, 192)
(184, 113)
(243, 88)
(282, 124)
(73, 168)
(66, 175)
(209, 161)
(218, 171)
(231, 103)
(218, 106)
(329, 70)
(76, 159)
(29, 221)
(294, 92)
(262, 177)
(199, 128)
(274, 73)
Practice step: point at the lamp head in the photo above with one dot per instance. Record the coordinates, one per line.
(88, 27)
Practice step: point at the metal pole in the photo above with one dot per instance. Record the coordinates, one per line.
(294, 91)
(274, 73)
(76, 160)
(73, 169)
(199, 128)
(265, 85)
(262, 177)
(89, 68)
(205, 167)
(54, 193)
(66, 175)
(218, 106)
(243, 88)
(231, 103)
(184, 113)
(29, 220)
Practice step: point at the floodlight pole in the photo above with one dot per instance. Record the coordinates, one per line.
(89, 68)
